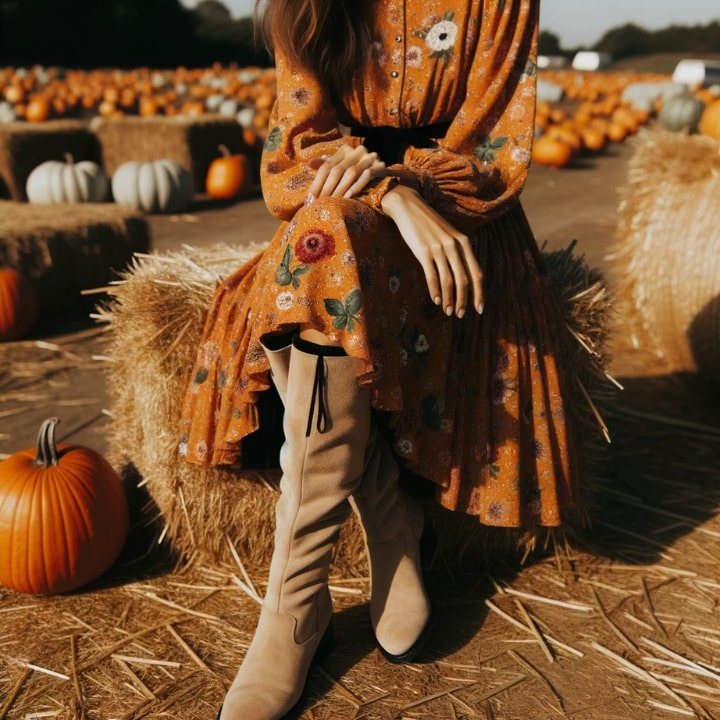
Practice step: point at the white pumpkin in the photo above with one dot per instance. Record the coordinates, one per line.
(7, 113)
(67, 182)
(246, 116)
(160, 186)
(228, 107)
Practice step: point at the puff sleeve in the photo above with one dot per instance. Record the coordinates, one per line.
(480, 167)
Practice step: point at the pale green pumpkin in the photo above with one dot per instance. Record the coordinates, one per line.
(160, 186)
(67, 182)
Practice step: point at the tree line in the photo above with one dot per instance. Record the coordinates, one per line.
(165, 33)
(631, 40)
(125, 33)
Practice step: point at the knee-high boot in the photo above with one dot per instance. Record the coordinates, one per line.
(400, 610)
(326, 424)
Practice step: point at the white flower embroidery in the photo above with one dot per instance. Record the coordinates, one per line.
(441, 37)
(521, 155)
(403, 357)
(394, 283)
(404, 446)
(413, 57)
(284, 300)
(421, 344)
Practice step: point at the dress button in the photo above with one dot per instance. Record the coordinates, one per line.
(394, 74)
(398, 38)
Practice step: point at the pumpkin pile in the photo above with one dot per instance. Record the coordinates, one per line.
(63, 516)
(37, 94)
(599, 108)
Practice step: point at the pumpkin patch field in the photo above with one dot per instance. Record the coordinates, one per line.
(157, 608)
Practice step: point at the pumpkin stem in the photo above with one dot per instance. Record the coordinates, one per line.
(46, 450)
(69, 159)
(224, 150)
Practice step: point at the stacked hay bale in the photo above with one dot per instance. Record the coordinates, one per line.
(24, 146)
(155, 318)
(667, 250)
(65, 249)
(191, 141)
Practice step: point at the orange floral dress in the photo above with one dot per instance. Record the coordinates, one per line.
(475, 405)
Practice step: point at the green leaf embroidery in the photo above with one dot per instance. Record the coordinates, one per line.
(345, 313)
(201, 375)
(283, 276)
(334, 307)
(273, 140)
(353, 302)
(487, 146)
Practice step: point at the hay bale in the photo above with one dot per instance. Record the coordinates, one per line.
(666, 252)
(23, 146)
(65, 249)
(155, 319)
(191, 141)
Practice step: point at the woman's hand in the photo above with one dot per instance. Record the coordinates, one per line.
(346, 173)
(450, 266)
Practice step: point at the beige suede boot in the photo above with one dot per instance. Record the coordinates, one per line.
(400, 610)
(326, 424)
(399, 607)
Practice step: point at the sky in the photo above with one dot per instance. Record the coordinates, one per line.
(582, 22)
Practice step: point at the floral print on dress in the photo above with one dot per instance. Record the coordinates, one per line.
(474, 405)
(440, 38)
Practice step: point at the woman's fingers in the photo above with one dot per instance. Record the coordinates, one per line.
(451, 270)
(346, 173)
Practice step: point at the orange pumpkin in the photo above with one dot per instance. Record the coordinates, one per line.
(37, 109)
(710, 120)
(228, 176)
(19, 307)
(551, 151)
(63, 516)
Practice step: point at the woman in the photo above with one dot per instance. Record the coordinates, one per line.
(404, 279)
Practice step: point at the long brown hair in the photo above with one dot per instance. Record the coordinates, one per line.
(327, 37)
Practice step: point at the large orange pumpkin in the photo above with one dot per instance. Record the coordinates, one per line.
(19, 307)
(63, 516)
(228, 176)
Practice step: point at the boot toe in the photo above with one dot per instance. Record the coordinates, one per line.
(401, 639)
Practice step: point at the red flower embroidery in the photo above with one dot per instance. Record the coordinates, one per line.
(314, 245)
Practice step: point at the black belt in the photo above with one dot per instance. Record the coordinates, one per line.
(390, 142)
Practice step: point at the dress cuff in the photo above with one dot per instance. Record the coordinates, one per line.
(375, 193)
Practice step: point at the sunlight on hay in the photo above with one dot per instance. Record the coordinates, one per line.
(667, 249)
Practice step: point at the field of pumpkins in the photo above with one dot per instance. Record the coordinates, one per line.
(581, 113)
(235, 100)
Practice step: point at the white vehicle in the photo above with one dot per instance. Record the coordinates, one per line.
(700, 73)
(590, 61)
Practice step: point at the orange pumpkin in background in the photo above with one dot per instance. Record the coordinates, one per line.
(228, 176)
(38, 109)
(551, 151)
(19, 305)
(64, 516)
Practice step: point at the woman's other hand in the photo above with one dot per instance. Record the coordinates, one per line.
(346, 173)
(451, 269)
